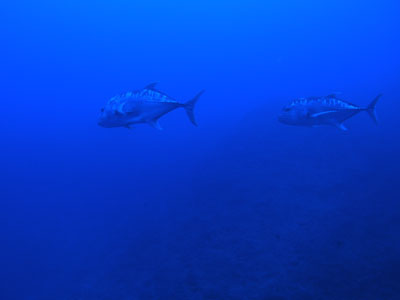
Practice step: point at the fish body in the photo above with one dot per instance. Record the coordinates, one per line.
(328, 110)
(142, 106)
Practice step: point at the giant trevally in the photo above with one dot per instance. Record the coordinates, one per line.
(142, 106)
(328, 110)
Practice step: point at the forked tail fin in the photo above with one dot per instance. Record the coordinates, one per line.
(371, 109)
(189, 107)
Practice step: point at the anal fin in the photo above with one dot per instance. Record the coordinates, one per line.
(155, 124)
(341, 126)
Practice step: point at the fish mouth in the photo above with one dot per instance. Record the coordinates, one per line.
(100, 123)
(106, 124)
(285, 120)
(282, 119)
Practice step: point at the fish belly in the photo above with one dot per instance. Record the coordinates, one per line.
(335, 118)
(153, 111)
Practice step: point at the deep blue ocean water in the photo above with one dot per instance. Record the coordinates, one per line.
(240, 207)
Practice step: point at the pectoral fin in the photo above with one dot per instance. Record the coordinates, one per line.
(133, 113)
(131, 109)
(322, 113)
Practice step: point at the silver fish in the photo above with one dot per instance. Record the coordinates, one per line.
(328, 110)
(143, 106)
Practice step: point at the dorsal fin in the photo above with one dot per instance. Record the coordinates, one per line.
(151, 86)
(333, 95)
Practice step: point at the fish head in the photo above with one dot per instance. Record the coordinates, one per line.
(293, 114)
(109, 117)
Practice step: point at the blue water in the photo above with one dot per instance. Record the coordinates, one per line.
(240, 207)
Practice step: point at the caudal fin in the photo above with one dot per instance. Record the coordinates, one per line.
(371, 109)
(189, 107)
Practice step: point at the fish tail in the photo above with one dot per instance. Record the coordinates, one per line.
(371, 109)
(189, 107)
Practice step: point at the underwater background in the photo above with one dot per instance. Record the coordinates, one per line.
(240, 207)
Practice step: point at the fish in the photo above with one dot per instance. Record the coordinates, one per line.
(329, 110)
(144, 106)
